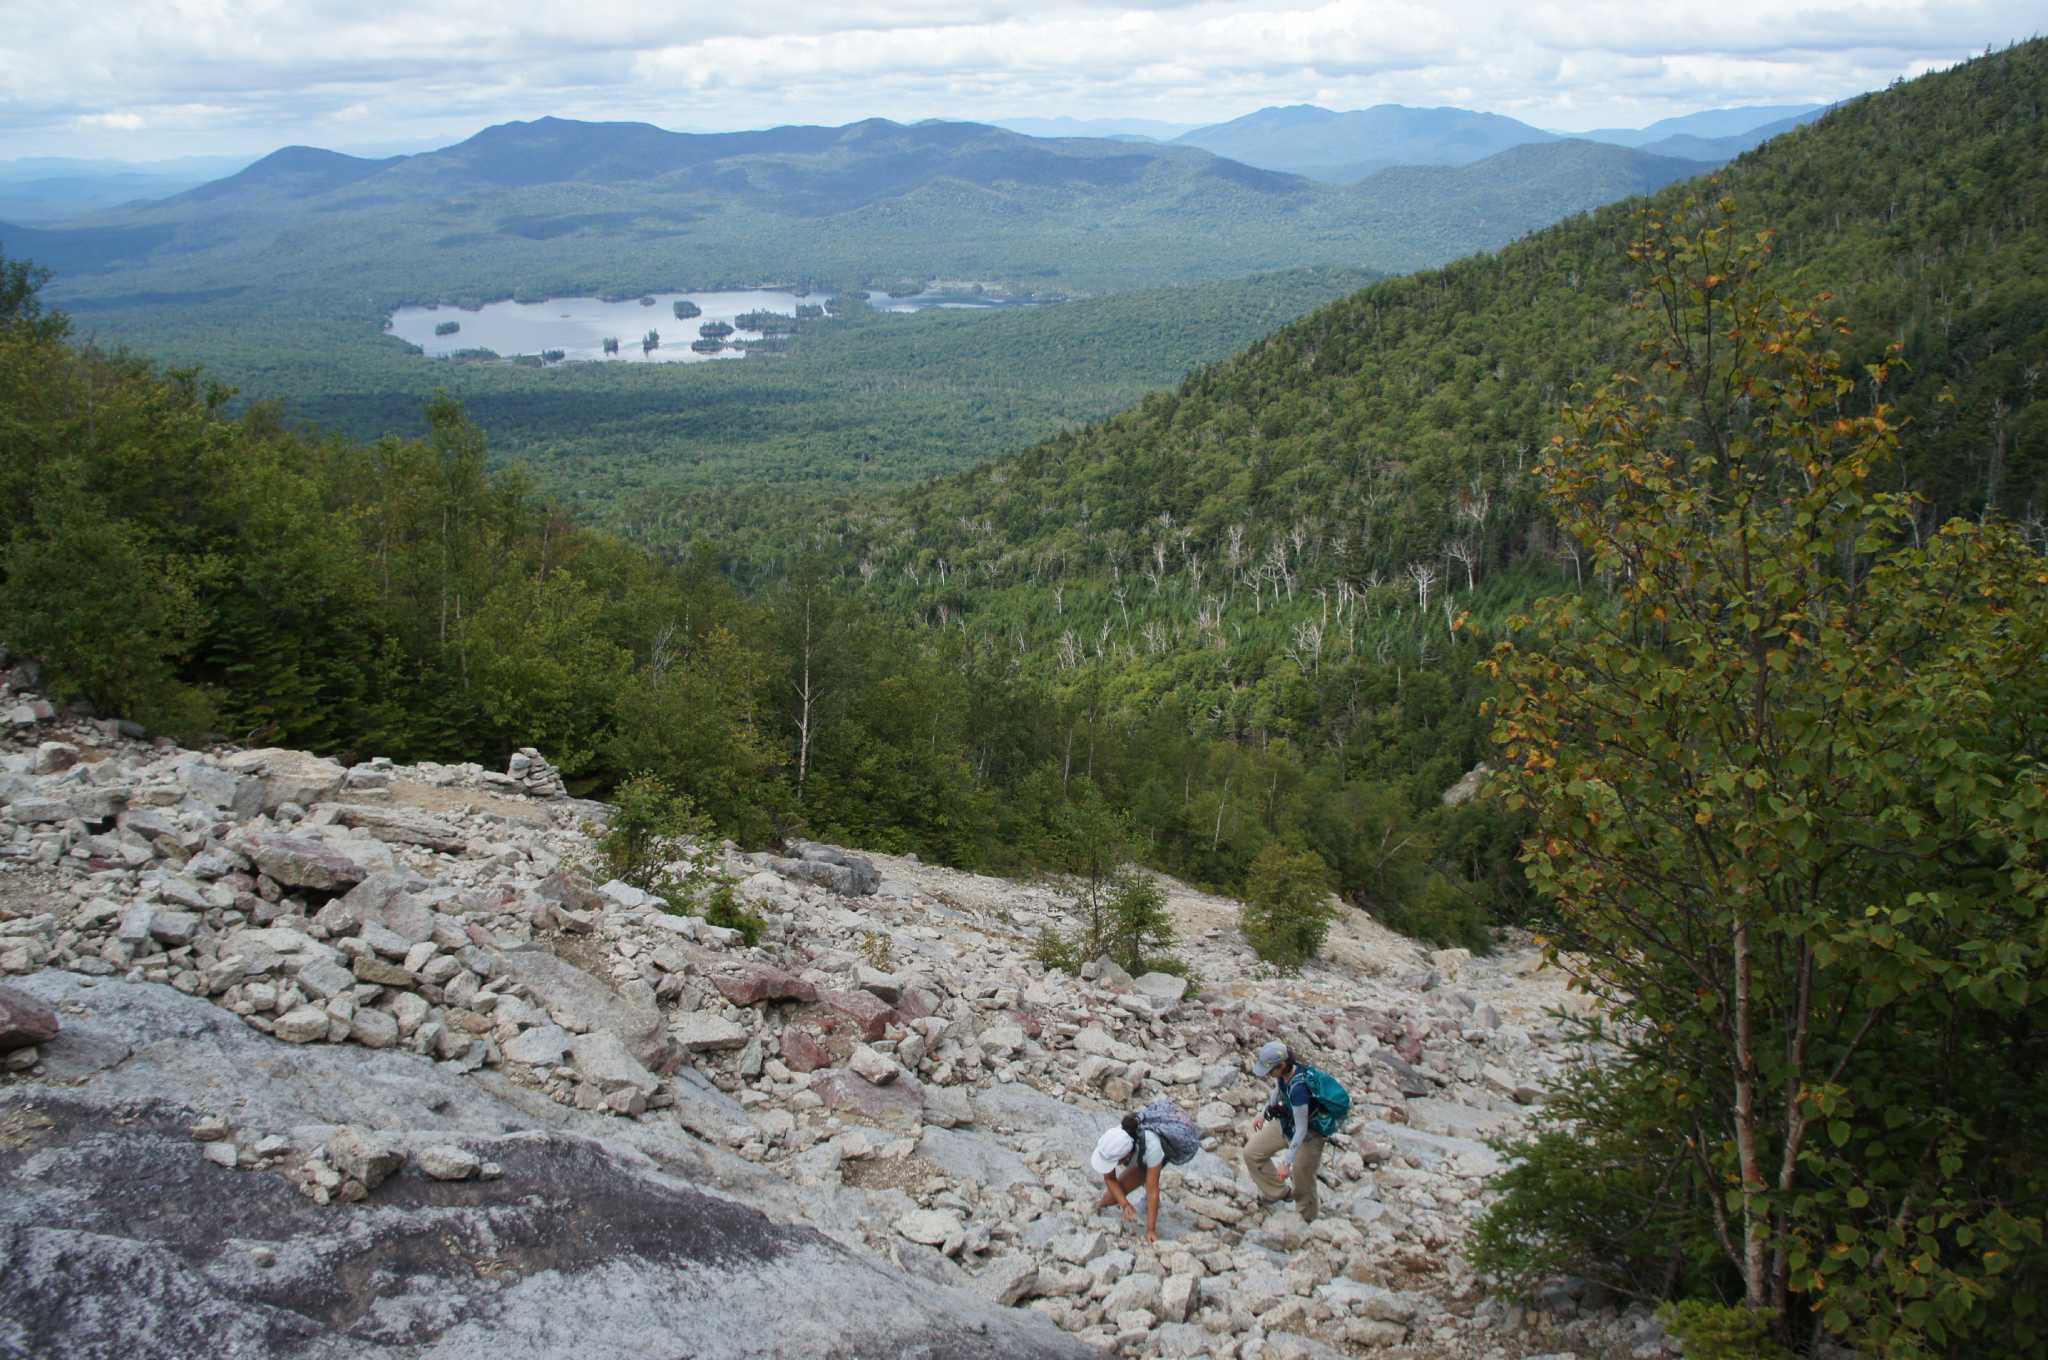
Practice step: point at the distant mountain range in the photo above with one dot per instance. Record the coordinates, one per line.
(629, 205)
(1151, 129)
(1339, 148)
(1302, 139)
(279, 278)
(1708, 124)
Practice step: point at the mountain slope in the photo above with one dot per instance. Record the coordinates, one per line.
(1306, 140)
(1388, 429)
(1462, 209)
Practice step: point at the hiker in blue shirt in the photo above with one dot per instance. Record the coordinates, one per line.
(1290, 1133)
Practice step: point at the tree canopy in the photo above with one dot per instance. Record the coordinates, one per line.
(1789, 780)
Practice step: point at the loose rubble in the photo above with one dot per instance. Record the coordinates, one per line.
(888, 1064)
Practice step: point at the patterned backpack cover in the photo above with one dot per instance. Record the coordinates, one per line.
(1177, 1133)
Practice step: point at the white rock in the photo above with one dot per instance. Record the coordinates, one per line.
(302, 1025)
(445, 1163)
(1008, 1280)
(700, 1031)
(932, 1227)
(874, 1067)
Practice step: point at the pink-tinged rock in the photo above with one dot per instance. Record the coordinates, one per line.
(302, 862)
(1028, 1022)
(761, 983)
(915, 1004)
(900, 1104)
(802, 1051)
(869, 1014)
(24, 1021)
(570, 890)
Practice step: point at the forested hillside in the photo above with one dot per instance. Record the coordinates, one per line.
(1264, 568)
(1382, 417)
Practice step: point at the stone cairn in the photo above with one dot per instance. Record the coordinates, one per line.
(535, 774)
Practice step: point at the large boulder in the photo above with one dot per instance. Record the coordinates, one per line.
(804, 1050)
(275, 949)
(898, 1105)
(541, 1046)
(602, 1059)
(867, 1013)
(1410, 1082)
(288, 776)
(828, 866)
(302, 862)
(1163, 990)
(583, 1002)
(760, 983)
(701, 1031)
(214, 786)
(383, 899)
(401, 826)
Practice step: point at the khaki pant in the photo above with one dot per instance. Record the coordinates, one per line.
(1258, 1164)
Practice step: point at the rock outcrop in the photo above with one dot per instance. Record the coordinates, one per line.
(418, 1082)
(151, 1208)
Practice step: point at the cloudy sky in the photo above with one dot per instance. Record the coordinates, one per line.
(149, 79)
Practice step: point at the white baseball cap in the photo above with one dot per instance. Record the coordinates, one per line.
(1110, 1151)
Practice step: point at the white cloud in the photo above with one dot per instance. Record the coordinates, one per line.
(276, 71)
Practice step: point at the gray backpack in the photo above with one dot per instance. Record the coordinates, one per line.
(1177, 1133)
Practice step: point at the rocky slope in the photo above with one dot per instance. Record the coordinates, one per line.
(365, 1062)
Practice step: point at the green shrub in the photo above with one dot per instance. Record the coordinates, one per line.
(722, 908)
(1122, 917)
(1601, 1188)
(1722, 1331)
(1136, 923)
(1056, 951)
(1287, 909)
(658, 842)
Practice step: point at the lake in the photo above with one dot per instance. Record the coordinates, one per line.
(579, 326)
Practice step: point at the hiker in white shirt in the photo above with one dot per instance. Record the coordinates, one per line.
(1124, 1156)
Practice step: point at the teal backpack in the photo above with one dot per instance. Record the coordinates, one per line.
(1329, 1102)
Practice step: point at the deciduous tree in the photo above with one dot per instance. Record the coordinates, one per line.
(1792, 814)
